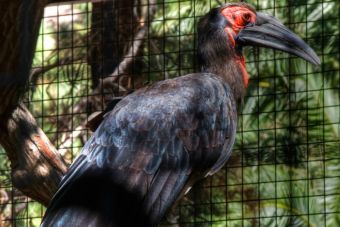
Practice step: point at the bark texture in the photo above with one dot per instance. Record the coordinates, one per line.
(36, 167)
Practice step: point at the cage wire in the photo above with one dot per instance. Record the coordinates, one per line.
(285, 166)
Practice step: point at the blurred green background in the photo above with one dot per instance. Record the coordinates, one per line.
(285, 167)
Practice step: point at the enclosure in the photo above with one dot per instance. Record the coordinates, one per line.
(285, 165)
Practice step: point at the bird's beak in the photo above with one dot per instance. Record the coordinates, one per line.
(270, 32)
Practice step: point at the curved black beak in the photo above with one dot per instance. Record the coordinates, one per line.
(270, 32)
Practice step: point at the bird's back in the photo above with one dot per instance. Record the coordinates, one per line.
(145, 152)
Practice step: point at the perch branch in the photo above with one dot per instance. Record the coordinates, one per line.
(36, 166)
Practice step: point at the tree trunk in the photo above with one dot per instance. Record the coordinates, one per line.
(116, 25)
(118, 30)
(36, 167)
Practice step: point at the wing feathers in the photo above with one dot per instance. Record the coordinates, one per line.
(140, 158)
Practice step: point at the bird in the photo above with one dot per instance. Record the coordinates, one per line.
(155, 143)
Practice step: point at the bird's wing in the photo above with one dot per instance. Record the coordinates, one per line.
(137, 162)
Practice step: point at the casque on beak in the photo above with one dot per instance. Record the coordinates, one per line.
(270, 32)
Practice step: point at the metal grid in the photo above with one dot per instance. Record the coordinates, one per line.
(284, 170)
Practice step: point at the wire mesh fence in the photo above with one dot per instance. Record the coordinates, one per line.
(285, 166)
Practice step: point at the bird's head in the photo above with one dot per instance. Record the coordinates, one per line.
(225, 30)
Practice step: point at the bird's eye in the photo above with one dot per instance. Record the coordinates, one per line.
(246, 17)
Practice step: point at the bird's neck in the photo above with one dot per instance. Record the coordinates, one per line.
(232, 70)
(217, 54)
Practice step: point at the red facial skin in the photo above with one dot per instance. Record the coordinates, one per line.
(238, 17)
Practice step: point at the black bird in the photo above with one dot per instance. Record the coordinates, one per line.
(159, 140)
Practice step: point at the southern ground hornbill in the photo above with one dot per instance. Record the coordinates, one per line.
(159, 140)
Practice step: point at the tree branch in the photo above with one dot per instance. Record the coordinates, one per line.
(36, 166)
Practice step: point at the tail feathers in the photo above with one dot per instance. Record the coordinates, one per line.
(75, 217)
(101, 200)
(95, 201)
(86, 216)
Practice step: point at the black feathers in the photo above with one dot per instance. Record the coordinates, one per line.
(143, 155)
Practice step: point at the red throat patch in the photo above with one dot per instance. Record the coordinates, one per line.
(244, 71)
(242, 64)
